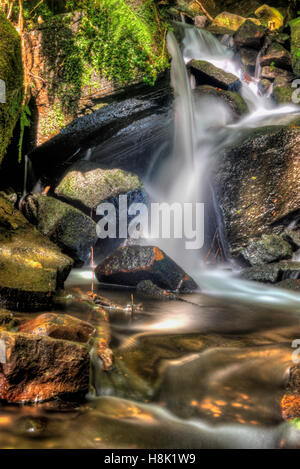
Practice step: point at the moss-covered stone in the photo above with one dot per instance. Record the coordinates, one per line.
(208, 74)
(87, 185)
(269, 248)
(11, 72)
(283, 94)
(295, 44)
(270, 17)
(231, 98)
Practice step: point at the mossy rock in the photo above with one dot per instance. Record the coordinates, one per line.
(230, 21)
(87, 185)
(295, 44)
(270, 17)
(231, 98)
(206, 73)
(283, 94)
(268, 249)
(11, 72)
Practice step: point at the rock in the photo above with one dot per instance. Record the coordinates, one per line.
(87, 185)
(201, 21)
(11, 85)
(290, 403)
(233, 99)
(265, 86)
(41, 368)
(230, 21)
(295, 41)
(130, 265)
(32, 267)
(207, 74)
(272, 72)
(277, 56)
(147, 289)
(289, 284)
(69, 228)
(269, 248)
(283, 94)
(249, 35)
(270, 17)
(293, 237)
(257, 184)
(248, 58)
(272, 273)
(58, 326)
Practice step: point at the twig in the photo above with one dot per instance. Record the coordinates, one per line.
(204, 11)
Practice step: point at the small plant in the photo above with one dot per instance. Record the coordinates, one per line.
(272, 66)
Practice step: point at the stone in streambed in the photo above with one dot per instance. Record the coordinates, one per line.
(272, 273)
(147, 289)
(269, 248)
(69, 228)
(86, 184)
(130, 265)
(249, 35)
(41, 368)
(289, 284)
(277, 55)
(206, 73)
(31, 267)
(58, 326)
(231, 98)
(248, 57)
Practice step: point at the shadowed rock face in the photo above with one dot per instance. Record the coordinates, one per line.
(249, 35)
(130, 265)
(257, 185)
(31, 267)
(207, 74)
(41, 368)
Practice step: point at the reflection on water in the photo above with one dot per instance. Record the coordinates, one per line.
(204, 373)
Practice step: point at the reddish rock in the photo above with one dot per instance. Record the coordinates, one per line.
(59, 326)
(35, 368)
(290, 403)
(130, 265)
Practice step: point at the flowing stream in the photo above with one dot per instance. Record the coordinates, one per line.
(209, 372)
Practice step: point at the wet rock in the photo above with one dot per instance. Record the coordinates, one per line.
(277, 56)
(249, 35)
(69, 228)
(32, 267)
(41, 368)
(58, 326)
(264, 86)
(289, 284)
(293, 237)
(130, 265)
(233, 99)
(283, 94)
(248, 58)
(207, 74)
(272, 72)
(257, 185)
(270, 17)
(87, 185)
(147, 289)
(201, 21)
(269, 248)
(295, 41)
(272, 273)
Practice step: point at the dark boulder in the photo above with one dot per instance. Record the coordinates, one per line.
(269, 248)
(249, 58)
(257, 185)
(130, 265)
(69, 228)
(147, 289)
(249, 35)
(272, 273)
(206, 73)
(271, 72)
(277, 56)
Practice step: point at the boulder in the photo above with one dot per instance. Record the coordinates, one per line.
(37, 368)
(249, 35)
(272, 273)
(265, 86)
(230, 21)
(58, 326)
(269, 248)
(295, 42)
(283, 94)
(69, 228)
(249, 57)
(130, 265)
(147, 289)
(257, 184)
(271, 72)
(32, 267)
(277, 56)
(270, 17)
(201, 21)
(11, 85)
(231, 98)
(207, 74)
(86, 184)
(289, 284)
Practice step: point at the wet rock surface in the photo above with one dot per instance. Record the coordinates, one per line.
(69, 228)
(130, 265)
(257, 185)
(231, 98)
(147, 289)
(32, 267)
(207, 74)
(272, 273)
(269, 248)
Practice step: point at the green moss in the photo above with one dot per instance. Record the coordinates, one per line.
(11, 72)
(295, 44)
(54, 120)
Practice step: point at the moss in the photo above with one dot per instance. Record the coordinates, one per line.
(53, 121)
(11, 72)
(283, 94)
(270, 17)
(295, 44)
